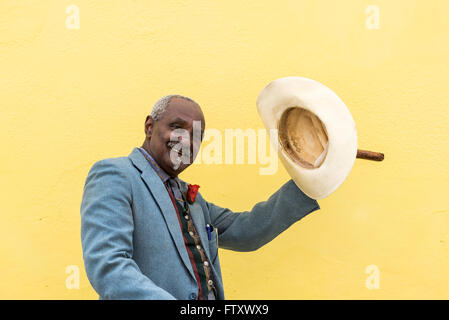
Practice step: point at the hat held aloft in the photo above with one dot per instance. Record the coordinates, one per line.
(317, 136)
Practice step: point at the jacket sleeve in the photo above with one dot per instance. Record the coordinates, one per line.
(107, 237)
(250, 230)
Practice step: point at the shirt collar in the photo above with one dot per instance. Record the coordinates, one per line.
(161, 172)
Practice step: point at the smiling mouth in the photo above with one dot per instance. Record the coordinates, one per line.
(173, 146)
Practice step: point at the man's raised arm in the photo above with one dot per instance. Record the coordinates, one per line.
(249, 230)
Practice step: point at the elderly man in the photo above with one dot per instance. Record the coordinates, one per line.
(144, 235)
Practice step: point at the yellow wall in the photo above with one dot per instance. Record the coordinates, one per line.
(70, 97)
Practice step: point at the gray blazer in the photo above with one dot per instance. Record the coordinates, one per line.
(132, 244)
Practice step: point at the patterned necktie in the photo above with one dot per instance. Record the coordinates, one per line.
(174, 187)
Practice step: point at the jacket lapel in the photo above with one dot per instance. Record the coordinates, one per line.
(160, 195)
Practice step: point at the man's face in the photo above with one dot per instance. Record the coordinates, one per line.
(176, 136)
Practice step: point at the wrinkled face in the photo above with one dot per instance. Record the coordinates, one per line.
(174, 140)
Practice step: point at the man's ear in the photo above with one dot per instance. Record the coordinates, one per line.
(148, 126)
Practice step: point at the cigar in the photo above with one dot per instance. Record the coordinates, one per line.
(369, 155)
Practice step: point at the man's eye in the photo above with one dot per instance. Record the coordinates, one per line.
(175, 126)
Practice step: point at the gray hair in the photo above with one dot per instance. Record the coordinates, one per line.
(161, 105)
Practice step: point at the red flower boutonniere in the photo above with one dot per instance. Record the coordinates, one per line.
(191, 192)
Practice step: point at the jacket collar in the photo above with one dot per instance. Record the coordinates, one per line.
(143, 165)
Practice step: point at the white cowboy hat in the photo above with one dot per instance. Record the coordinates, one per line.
(317, 137)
